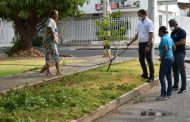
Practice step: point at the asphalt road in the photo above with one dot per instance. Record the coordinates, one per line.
(86, 53)
(95, 52)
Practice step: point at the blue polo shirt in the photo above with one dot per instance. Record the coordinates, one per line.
(168, 42)
(177, 35)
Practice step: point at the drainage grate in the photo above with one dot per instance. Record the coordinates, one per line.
(155, 113)
(144, 115)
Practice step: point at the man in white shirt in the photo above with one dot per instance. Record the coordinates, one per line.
(145, 35)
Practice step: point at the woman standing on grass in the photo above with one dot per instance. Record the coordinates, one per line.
(51, 41)
(166, 48)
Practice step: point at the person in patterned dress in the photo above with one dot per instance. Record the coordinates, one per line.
(50, 44)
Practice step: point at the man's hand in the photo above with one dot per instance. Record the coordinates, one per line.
(147, 49)
(128, 43)
(160, 59)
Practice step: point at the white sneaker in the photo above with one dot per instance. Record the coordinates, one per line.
(161, 97)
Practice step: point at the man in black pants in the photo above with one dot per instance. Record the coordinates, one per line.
(179, 37)
(145, 36)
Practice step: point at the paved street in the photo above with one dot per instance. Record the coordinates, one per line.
(86, 52)
(147, 109)
(95, 51)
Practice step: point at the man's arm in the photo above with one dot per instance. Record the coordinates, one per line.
(182, 34)
(173, 48)
(134, 39)
(151, 35)
(181, 42)
(147, 49)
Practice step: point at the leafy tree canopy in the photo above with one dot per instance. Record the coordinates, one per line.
(27, 15)
(25, 8)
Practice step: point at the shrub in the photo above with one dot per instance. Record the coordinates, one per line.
(16, 47)
(37, 42)
(110, 30)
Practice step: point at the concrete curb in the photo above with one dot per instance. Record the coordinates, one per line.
(103, 110)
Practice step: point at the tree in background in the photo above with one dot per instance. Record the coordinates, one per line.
(29, 16)
(110, 29)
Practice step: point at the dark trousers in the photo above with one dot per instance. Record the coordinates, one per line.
(165, 71)
(179, 68)
(148, 56)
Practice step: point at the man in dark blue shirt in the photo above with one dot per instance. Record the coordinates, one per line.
(179, 37)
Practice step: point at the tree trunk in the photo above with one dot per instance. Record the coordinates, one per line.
(107, 51)
(26, 30)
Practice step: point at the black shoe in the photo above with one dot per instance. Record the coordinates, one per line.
(150, 80)
(181, 91)
(174, 88)
(144, 76)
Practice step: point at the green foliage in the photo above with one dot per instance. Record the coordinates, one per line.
(29, 16)
(16, 47)
(37, 42)
(27, 8)
(109, 30)
(7, 119)
(72, 97)
(112, 86)
(25, 99)
(116, 14)
(14, 66)
(188, 14)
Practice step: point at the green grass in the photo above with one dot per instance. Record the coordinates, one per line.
(73, 97)
(10, 67)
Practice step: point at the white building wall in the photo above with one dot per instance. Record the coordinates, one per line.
(131, 13)
(144, 4)
(6, 33)
(162, 22)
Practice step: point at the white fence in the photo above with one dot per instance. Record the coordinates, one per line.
(6, 33)
(83, 32)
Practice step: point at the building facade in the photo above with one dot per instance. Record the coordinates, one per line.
(164, 10)
(82, 31)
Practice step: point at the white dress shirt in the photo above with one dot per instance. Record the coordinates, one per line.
(143, 29)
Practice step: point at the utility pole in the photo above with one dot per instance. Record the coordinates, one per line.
(107, 50)
(166, 6)
(155, 18)
(105, 5)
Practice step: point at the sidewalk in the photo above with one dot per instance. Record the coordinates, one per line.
(147, 109)
(34, 77)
